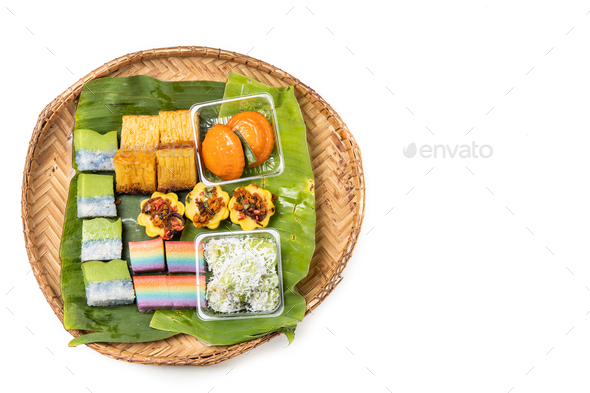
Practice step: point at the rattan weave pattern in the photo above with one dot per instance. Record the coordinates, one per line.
(336, 162)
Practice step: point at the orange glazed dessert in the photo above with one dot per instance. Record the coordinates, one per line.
(257, 131)
(222, 152)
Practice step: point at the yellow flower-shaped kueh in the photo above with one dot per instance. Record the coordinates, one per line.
(243, 209)
(175, 221)
(209, 195)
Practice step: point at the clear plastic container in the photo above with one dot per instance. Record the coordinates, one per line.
(207, 313)
(206, 115)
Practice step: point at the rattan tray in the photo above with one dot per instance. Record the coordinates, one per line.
(335, 157)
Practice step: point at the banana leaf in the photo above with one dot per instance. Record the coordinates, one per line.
(102, 103)
(294, 219)
(100, 108)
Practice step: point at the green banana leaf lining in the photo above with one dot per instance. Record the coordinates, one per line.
(102, 103)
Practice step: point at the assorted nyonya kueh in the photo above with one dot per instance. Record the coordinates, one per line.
(147, 256)
(157, 153)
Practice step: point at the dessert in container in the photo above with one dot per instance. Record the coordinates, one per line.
(206, 115)
(268, 279)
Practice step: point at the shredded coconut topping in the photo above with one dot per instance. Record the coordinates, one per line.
(244, 274)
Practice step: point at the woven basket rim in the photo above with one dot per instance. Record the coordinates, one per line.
(48, 113)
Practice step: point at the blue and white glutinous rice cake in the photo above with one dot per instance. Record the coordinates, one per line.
(94, 151)
(101, 239)
(107, 283)
(96, 196)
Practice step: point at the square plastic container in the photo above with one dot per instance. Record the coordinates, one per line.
(207, 313)
(206, 115)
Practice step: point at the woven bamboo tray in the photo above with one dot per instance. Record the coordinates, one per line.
(335, 158)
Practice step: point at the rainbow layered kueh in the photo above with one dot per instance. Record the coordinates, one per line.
(151, 293)
(183, 291)
(181, 257)
(147, 256)
(165, 292)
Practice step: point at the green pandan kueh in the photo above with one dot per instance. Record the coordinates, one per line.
(92, 140)
(96, 271)
(92, 186)
(101, 229)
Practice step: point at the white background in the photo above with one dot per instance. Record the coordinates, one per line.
(476, 281)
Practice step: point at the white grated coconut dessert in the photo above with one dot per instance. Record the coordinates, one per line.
(244, 274)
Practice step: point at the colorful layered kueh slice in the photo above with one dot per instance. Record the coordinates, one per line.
(152, 293)
(183, 291)
(181, 257)
(147, 256)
